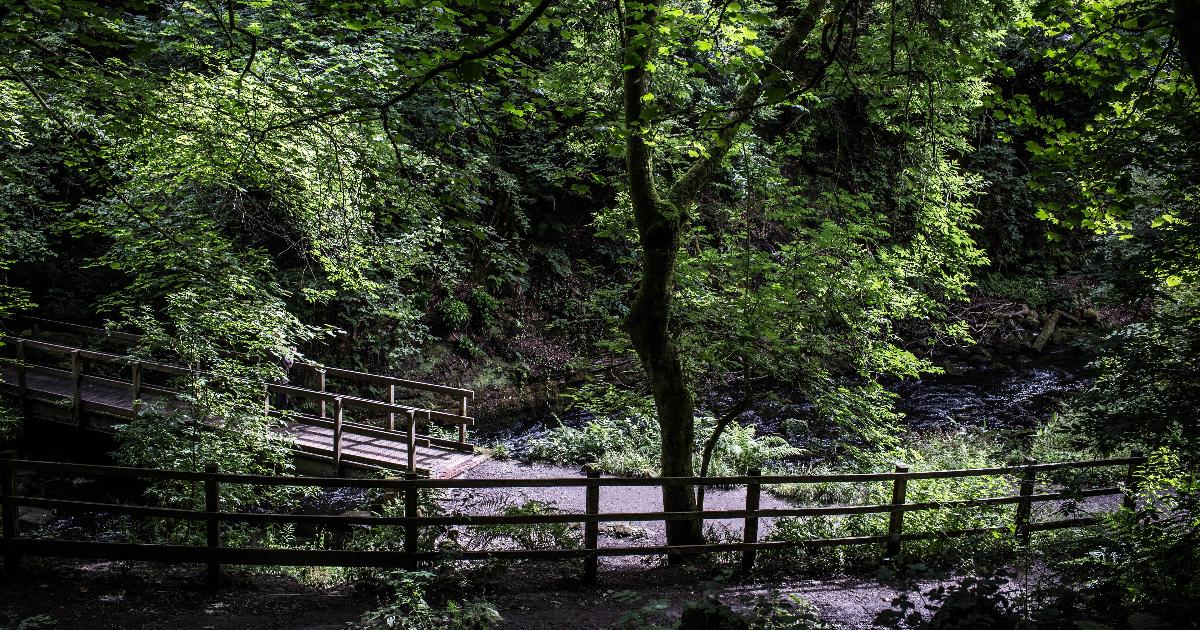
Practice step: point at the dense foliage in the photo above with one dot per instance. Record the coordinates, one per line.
(674, 211)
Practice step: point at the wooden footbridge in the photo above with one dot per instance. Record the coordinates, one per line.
(344, 419)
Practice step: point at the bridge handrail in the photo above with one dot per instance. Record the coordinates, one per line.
(79, 328)
(366, 377)
(214, 554)
(323, 396)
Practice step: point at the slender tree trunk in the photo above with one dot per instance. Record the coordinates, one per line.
(660, 222)
(1187, 29)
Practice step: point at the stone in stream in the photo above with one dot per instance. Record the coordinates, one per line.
(36, 517)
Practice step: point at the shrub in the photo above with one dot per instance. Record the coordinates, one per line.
(623, 438)
(1148, 391)
(408, 609)
(1135, 570)
(931, 452)
(10, 423)
(455, 314)
(530, 536)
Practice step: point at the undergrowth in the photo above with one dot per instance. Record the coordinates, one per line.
(623, 438)
(945, 451)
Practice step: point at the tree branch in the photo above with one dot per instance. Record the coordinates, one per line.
(498, 44)
(683, 192)
(711, 444)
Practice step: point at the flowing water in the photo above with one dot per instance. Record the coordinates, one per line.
(1018, 393)
(1016, 396)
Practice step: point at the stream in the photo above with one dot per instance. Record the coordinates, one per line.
(1015, 393)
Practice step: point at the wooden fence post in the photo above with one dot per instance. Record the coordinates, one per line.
(750, 531)
(391, 400)
(321, 388)
(896, 516)
(337, 436)
(411, 531)
(135, 387)
(591, 529)
(1131, 485)
(77, 387)
(412, 440)
(8, 511)
(267, 399)
(212, 505)
(462, 428)
(22, 384)
(1025, 505)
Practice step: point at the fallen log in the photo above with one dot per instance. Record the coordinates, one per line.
(1043, 337)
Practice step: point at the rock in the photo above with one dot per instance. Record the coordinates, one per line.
(953, 369)
(37, 517)
(358, 513)
(1062, 335)
(625, 530)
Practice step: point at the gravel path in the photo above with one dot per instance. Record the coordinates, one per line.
(612, 499)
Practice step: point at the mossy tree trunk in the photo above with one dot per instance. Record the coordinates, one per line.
(661, 218)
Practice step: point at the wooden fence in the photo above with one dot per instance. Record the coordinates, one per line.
(327, 408)
(214, 554)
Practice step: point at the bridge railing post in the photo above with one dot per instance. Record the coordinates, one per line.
(22, 384)
(591, 528)
(896, 516)
(321, 388)
(1131, 482)
(750, 531)
(411, 441)
(212, 521)
(1025, 505)
(391, 400)
(8, 511)
(462, 428)
(135, 386)
(412, 531)
(77, 388)
(337, 436)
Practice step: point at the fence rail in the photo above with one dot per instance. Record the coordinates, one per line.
(213, 554)
(329, 407)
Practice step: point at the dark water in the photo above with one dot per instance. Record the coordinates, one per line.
(1019, 393)
(1016, 396)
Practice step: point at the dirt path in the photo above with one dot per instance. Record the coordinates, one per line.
(527, 603)
(612, 499)
(100, 595)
